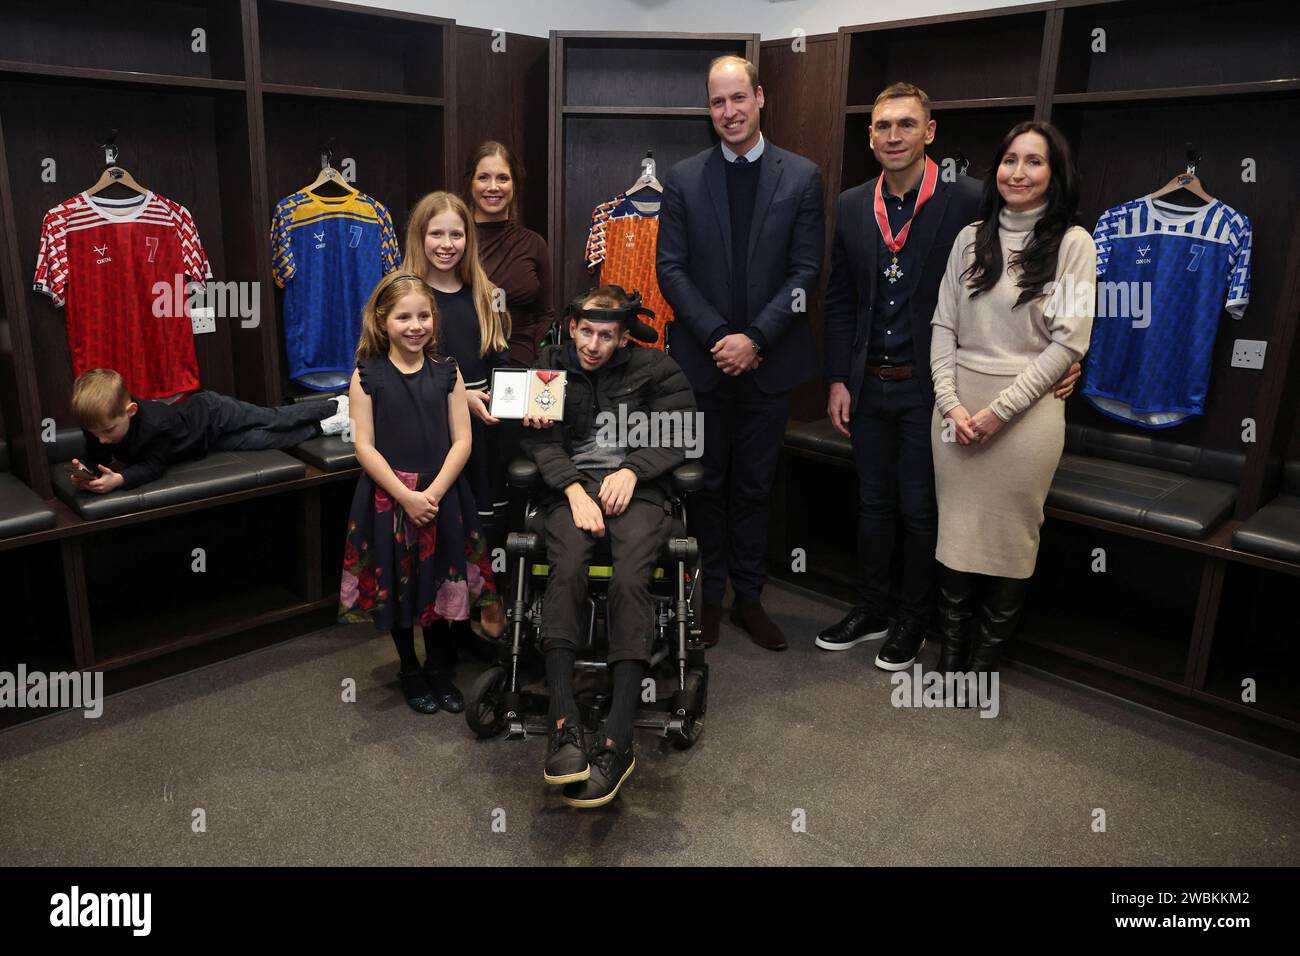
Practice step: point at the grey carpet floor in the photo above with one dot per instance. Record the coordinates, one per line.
(285, 772)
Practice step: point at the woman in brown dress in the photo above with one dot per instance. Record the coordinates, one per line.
(515, 258)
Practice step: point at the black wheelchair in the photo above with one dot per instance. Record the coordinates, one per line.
(675, 698)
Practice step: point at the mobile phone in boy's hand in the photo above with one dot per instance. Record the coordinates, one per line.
(82, 471)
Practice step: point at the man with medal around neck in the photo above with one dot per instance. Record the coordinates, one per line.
(893, 236)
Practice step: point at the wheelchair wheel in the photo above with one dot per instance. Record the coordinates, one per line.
(483, 705)
(695, 681)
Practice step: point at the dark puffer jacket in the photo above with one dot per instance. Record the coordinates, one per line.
(638, 379)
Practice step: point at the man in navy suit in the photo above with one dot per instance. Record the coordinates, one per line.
(740, 241)
(893, 236)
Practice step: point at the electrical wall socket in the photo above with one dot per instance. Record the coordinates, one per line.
(1248, 353)
(205, 320)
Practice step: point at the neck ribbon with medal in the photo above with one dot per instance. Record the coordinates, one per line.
(546, 398)
(929, 180)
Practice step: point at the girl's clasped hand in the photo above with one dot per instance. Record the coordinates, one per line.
(421, 506)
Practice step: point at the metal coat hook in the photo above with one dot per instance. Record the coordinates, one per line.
(648, 165)
(109, 146)
(963, 163)
(1193, 159)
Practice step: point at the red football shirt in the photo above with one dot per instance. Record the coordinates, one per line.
(104, 258)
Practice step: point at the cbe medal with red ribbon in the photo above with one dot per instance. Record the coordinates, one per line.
(929, 180)
(544, 400)
(546, 394)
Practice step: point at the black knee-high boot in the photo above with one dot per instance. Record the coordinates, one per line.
(956, 608)
(1000, 612)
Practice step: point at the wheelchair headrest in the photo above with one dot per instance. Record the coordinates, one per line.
(630, 312)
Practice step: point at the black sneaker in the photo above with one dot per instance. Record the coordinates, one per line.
(609, 770)
(862, 623)
(898, 653)
(567, 761)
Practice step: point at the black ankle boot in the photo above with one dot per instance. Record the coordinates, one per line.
(445, 692)
(1000, 614)
(956, 608)
(415, 687)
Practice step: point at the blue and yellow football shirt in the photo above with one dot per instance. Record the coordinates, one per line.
(328, 253)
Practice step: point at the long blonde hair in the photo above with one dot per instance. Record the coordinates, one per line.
(493, 326)
(374, 318)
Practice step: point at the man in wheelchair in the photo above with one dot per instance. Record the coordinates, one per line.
(602, 488)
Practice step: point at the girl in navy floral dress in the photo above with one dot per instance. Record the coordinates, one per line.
(415, 553)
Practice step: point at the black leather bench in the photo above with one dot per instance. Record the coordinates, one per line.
(1145, 481)
(819, 441)
(21, 511)
(218, 473)
(328, 453)
(1134, 479)
(1274, 530)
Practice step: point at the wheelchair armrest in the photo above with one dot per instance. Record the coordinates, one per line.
(523, 473)
(688, 476)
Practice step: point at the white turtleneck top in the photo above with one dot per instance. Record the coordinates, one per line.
(1037, 342)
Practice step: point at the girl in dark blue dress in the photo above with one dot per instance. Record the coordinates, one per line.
(473, 329)
(415, 554)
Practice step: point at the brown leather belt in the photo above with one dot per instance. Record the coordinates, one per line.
(890, 373)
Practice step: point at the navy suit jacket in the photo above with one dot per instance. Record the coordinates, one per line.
(693, 264)
(855, 270)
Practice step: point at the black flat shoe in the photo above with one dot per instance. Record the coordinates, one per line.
(860, 624)
(566, 761)
(899, 651)
(609, 771)
(416, 690)
(446, 693)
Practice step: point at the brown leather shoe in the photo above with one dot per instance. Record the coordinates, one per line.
(711, 625)
(762, 630)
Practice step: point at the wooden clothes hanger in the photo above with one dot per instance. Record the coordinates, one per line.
(647, 178)
(1186, 181)
(113, 174)
(329, 175)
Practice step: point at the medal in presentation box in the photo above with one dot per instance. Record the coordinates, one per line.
(517, 392)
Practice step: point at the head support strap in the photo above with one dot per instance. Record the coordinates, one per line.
(629, 312)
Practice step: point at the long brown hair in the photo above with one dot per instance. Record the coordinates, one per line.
(493, 326)
(374, 318)
(492, 147)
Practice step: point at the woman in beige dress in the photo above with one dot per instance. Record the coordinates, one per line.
(1015, 311)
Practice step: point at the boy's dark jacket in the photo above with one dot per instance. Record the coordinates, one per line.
(644, 380)
(159, 435)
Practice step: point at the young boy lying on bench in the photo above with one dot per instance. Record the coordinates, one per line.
(144, 437)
